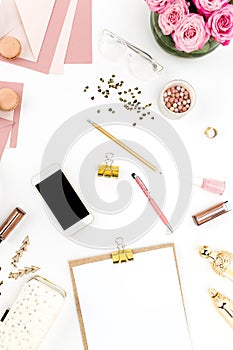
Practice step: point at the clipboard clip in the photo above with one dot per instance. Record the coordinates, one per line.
(107, 169)
(122, 254)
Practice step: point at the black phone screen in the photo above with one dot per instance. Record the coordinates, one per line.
(62, 200)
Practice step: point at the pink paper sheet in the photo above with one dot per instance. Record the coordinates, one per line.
(80, 43)
(50, 41)
(57, 66)
(18, 88)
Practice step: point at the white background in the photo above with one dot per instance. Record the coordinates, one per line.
(50, 100)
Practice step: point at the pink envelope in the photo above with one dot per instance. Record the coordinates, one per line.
(5, 129)
(20, 23)
(80, 44)
(52, 34)
(18, 88)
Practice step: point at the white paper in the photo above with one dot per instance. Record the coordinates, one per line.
(134, 305)
(8, 115)
(35, 16)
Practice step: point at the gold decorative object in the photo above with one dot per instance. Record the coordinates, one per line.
(25, 243)
(223, 305)
(220, 261)
(107, 169)
(211, 132)
(23, 272)
(123, 145)
(121, 255)
(20, 252)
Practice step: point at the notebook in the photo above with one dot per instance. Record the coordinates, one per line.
(133, 305)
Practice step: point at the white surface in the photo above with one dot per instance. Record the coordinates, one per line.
(50, 100)
(134, 303)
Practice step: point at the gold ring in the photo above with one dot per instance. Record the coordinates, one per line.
(211, 132)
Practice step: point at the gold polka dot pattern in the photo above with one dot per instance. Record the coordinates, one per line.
(31, 316)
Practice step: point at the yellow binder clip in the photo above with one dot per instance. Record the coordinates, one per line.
(121, 255)
(107, 169)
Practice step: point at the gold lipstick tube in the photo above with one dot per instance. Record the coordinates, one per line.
(223, 305)
(10, 223)
(211, 213)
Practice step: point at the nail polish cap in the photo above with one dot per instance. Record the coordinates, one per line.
(211, 185)
(205, 252)
(214, 186)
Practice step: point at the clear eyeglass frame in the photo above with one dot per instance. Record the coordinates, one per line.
(141, 64)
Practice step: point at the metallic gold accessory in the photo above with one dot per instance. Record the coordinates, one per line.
(223, 304)
(23, 272)
(220, 261)
(211, 132)
(20, 252)
(107, 169)
(122, 254)
(123, 145)
(25, 243)
(10, 223)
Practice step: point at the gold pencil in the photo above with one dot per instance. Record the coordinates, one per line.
(121, 144)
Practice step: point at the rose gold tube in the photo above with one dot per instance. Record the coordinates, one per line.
(10, 223)
(210, 213)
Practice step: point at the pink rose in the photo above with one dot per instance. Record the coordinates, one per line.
(206, 7)
(191, 33)
(172, 15)
(158, 5)
(220, 25)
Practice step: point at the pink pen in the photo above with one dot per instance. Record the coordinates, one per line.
(151, 201)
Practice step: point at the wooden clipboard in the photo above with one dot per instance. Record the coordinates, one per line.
(95, 259)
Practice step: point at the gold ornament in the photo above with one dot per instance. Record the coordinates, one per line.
(19, 253)
(220, 261)
(23, 272)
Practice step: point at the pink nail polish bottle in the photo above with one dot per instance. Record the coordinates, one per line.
(211, 185)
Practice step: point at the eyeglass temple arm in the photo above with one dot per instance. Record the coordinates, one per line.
(137, 50)
(145, 54)
(134, 48)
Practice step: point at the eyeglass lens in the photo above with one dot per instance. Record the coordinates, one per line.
(141, 65)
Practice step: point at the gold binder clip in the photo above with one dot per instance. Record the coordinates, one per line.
(121, 255)
(107, 169)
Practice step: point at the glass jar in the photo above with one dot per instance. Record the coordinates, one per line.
(167, 43)
(168, 112)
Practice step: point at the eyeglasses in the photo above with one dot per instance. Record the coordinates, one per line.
(141, 64)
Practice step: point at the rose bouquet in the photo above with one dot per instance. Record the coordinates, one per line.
(191, 27)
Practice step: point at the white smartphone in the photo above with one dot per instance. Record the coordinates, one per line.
(63, 202)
